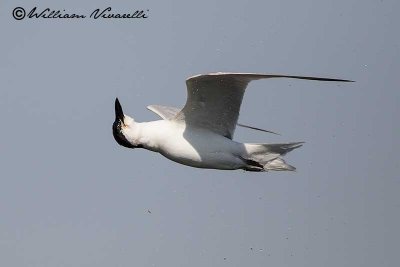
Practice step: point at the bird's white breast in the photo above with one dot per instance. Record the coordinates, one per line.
(186, 145)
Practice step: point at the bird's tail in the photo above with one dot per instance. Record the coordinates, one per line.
(265, 157)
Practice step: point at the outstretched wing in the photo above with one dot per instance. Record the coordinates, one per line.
(213, 100)
(164, 112)
(167, 113)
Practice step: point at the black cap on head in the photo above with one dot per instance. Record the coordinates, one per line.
(118, 127)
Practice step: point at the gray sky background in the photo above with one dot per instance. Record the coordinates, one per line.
(70, 196)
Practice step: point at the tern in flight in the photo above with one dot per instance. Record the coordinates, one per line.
(201, 133)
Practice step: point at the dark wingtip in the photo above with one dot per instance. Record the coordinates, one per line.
(325, 79)
(342, 80)
(311, 78)
(257, 129)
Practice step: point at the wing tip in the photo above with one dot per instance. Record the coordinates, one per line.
(252, 75)
(257, 129)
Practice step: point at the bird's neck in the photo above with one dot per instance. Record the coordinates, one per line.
(136, 135)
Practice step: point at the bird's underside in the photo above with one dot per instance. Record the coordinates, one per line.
(209, 119)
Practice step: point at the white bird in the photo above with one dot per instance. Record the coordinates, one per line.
(200, 135)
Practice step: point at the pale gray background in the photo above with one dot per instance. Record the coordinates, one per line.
(70, 196)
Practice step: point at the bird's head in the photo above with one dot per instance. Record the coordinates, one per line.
(123, 127)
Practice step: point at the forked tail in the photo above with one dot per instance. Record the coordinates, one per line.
(265, 157)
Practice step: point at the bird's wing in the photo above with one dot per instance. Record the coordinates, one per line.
(213, 100)
(163, 111)
(167, 113)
